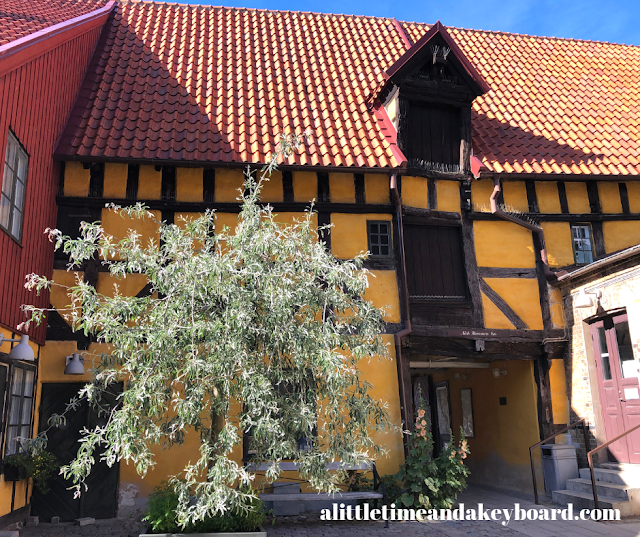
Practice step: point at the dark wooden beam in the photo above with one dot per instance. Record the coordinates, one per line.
(415, 346)
(324, 219)
(556, 217)
(501, 304)
(489, 334)
(545, 410)
(594, 197)
(502, 272)
(542, 283)
(598, 239)
(183, 206)
(562, 193)
(414, 215)
(209, 185)
(532, 196)
(133, 176)
(380, 263)
(359, 186)
(470, 262)
(432, 196)
(624, 198)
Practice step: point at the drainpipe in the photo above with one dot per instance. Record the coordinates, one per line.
(404, 293)
(549, 274)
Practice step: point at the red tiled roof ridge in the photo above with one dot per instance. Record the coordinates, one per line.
(426, 25)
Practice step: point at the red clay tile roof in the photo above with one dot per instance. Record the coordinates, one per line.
(19, 18)
(192, 83)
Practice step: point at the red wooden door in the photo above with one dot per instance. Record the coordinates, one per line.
(618, 385)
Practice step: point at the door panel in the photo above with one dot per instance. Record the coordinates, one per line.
(100, 501)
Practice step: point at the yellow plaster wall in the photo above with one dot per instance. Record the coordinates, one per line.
(119, 226)
(522, 295)
(633, 191)
(272, 188)
(383, 376)
(229, 220)
(481, 191)
(609, 194)
(500, 447)
(342, 188)
(448, 196)
(559, 399)
(130, 285)
(548, 197)
(115, 180)
(149, 183)
(376, 187)
(76, 180)
(503, 244)
(305, 186)
(620, 235)
(556, 308)
(383, 293)
(577, 197)
(493, 317)
(557, 237)
(189, 184)
(53, 361)
(228, 185)
(349, 233)
(415, 192)
(515, 195)
(59, 298)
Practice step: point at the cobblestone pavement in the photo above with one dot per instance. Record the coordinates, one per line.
(309, 525)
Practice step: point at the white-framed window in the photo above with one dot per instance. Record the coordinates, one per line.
(582, 243)
(14, 182)
(23, 378)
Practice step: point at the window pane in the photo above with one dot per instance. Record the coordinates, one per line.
(7, 181)
(19, 195)
(25, 432)
(604, 354)
(14, 410)
(16, 383)
(28, 382)
(5, 210)
(628, 366)
(25, 419)
(10, 155)
(22, 166)
(12, 432)
(16, 224)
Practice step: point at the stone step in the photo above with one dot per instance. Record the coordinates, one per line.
(610, 490)
(621, 466)
(582, 500)
(630, 477)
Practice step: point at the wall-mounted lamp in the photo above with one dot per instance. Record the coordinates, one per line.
(75, 365)
(583, 300)
(22, 351)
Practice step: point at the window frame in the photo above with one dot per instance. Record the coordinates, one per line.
(9, 404)
(13, 206)
(584, 225)
(390, 235)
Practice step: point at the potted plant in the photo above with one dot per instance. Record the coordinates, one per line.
(40, 465)
(161, 518)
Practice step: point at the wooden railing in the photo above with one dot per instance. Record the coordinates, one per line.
(590, 461)
(587, 445)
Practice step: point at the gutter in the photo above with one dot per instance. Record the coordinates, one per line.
(25, 49)
(404, 292)
(600, 263)
(549, 274)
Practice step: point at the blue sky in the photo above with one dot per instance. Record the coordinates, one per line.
(601, 20)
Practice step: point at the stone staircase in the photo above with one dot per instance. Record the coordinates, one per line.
(618, 487)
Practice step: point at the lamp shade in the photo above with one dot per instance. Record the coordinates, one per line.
(583, 300)
(22, 351)
(74, 365)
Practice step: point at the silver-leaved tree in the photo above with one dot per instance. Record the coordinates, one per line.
(259, 330)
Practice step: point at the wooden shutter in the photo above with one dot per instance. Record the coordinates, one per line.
(435, 263)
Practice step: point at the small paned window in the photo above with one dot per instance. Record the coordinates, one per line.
(379, 235)
(20, 406)
(582, 243)
(14, 181)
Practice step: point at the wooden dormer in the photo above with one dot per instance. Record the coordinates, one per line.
(428, 96)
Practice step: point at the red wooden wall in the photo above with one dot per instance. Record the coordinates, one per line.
(35, 100)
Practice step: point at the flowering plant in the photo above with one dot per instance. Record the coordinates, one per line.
(427, 482)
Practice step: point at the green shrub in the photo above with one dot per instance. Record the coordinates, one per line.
(161, 516)
(425, 482)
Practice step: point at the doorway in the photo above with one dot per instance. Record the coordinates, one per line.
(617, 373)
(434, 399)
(100, 500)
